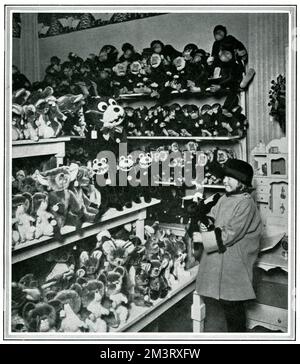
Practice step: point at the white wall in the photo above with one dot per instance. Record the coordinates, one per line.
(268, 41)
(176, 29)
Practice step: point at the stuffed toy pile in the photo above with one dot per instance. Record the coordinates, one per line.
(86, 289)
(40, 115)
(186, 121)
(158, 71)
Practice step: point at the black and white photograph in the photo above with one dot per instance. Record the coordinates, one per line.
(149, 185)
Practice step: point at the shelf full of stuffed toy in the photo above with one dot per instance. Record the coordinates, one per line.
(40, 115)
(209, 122)
(102, 284)
(49, 206)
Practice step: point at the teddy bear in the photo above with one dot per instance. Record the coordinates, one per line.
(142, 289)
(63, 203)
(159, 287)
(22, 222)
(81, 188)
(97, 310)
(116, 300)
(40, 317)
(45, 221)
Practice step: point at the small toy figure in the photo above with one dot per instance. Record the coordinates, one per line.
(43, 226)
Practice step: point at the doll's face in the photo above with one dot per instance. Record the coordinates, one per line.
(155, 60)
(135, 67)
(225, 56)
(231, 184)
(219, 35)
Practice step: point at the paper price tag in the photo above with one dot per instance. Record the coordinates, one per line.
(94, 134)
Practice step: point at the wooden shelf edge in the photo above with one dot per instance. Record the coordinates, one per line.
(110, 220)
(184, 138)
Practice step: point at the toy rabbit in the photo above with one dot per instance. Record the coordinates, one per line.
(22, 219)
(43, 225)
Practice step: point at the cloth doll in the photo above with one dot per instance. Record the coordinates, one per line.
(120, 80)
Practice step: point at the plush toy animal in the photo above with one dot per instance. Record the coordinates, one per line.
(70, 321)
(117, 299)
(40, 317)
(104, 117)
(63, 203)
(81, 187)
(44, 220)
(21, 219)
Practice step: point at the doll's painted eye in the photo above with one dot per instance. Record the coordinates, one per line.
(102, 106)
(112, 102)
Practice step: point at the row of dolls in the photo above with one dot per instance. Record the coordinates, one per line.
(159, 70)
(187, 120)
(84, 289)
(47, 199)
(40, 115)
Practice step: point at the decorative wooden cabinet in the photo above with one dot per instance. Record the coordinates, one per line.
(270, 310)
(270, 165)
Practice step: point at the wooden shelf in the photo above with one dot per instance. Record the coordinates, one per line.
(217, 187)
(111, 219)
(220, 138)
(185, 93)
